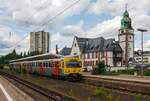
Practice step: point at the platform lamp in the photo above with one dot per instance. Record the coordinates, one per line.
(142, 30)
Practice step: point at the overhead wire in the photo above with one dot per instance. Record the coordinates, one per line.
(47, 22)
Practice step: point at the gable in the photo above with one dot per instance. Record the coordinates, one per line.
(75, 48)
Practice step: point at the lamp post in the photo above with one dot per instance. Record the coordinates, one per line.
(142, 30)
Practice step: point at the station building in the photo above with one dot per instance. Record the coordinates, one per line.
(109, 51)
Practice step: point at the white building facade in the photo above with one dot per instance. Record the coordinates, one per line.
(110, 52)
(93, 51)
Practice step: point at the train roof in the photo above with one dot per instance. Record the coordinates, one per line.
(43, 57)
(38, 57)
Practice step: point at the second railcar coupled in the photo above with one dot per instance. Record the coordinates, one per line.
(69, 68)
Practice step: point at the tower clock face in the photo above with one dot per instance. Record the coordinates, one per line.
(130, 31)
(122, 38)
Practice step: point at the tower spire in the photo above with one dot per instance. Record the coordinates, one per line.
(126, 6)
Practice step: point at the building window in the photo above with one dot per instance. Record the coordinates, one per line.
(75, 44)
(88, 55)
(93, 55)
(75, 53)
(96, 54)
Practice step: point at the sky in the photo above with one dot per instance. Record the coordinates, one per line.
(65, 19)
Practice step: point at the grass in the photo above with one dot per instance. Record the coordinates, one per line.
(109, 97)
(111, 73)
(100, 92)
(117, 98)
(70, 93)
(86, 87)
(137, 97)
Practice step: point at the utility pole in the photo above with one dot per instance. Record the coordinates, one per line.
(142, 30)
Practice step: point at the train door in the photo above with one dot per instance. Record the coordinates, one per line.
(56, 71)
(41, 67)
(47, 68)
(51, 68)
(30, 67)
(44, 68)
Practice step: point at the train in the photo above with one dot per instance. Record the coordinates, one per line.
(69, 68)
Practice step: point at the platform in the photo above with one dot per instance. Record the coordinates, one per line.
(143, 79)
(8, 92)
(2, 96)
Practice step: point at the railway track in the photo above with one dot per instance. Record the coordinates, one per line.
(120, 85)
(52, 95)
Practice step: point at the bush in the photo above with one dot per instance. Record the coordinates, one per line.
(137, 97)
(85, 70)
(129, 71)
(18, 71)
(99, 69)
(1, 66)
(146, 72)
(24, 71)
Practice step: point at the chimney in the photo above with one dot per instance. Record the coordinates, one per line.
(56, 49)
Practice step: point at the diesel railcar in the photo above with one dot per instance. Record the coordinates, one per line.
(68, 68)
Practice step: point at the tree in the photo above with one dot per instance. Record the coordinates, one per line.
(99, 69)
(24, 54)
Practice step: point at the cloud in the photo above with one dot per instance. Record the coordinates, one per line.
(10, 40)
(106, 29)
(33, 14)
(70, 30)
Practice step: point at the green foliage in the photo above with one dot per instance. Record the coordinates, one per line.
(85, 70)
(18, 71)
(13, 55)
(35, 53)
(1, 66)
(109, 97)
(111, 73)
(89, 99)
(100, 92)
(128, 71)
(24, 71)
(137, 97)
(70, 92)
(118, 97)
(99, 69)
(147, 72)
(86, 87)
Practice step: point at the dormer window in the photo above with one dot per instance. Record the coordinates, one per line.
(75, 44)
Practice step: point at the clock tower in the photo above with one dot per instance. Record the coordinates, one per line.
(126, 38)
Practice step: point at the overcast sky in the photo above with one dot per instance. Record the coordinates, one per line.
(87, 18)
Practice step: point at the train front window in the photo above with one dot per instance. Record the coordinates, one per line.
(73, 64)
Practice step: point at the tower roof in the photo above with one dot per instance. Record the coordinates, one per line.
(126, 21)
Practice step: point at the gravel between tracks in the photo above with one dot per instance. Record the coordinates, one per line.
(78, 89)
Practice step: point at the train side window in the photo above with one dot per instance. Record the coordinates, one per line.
(46, 64)
(57, 64)
(49, 64)
(43, 64)
(53, 64)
